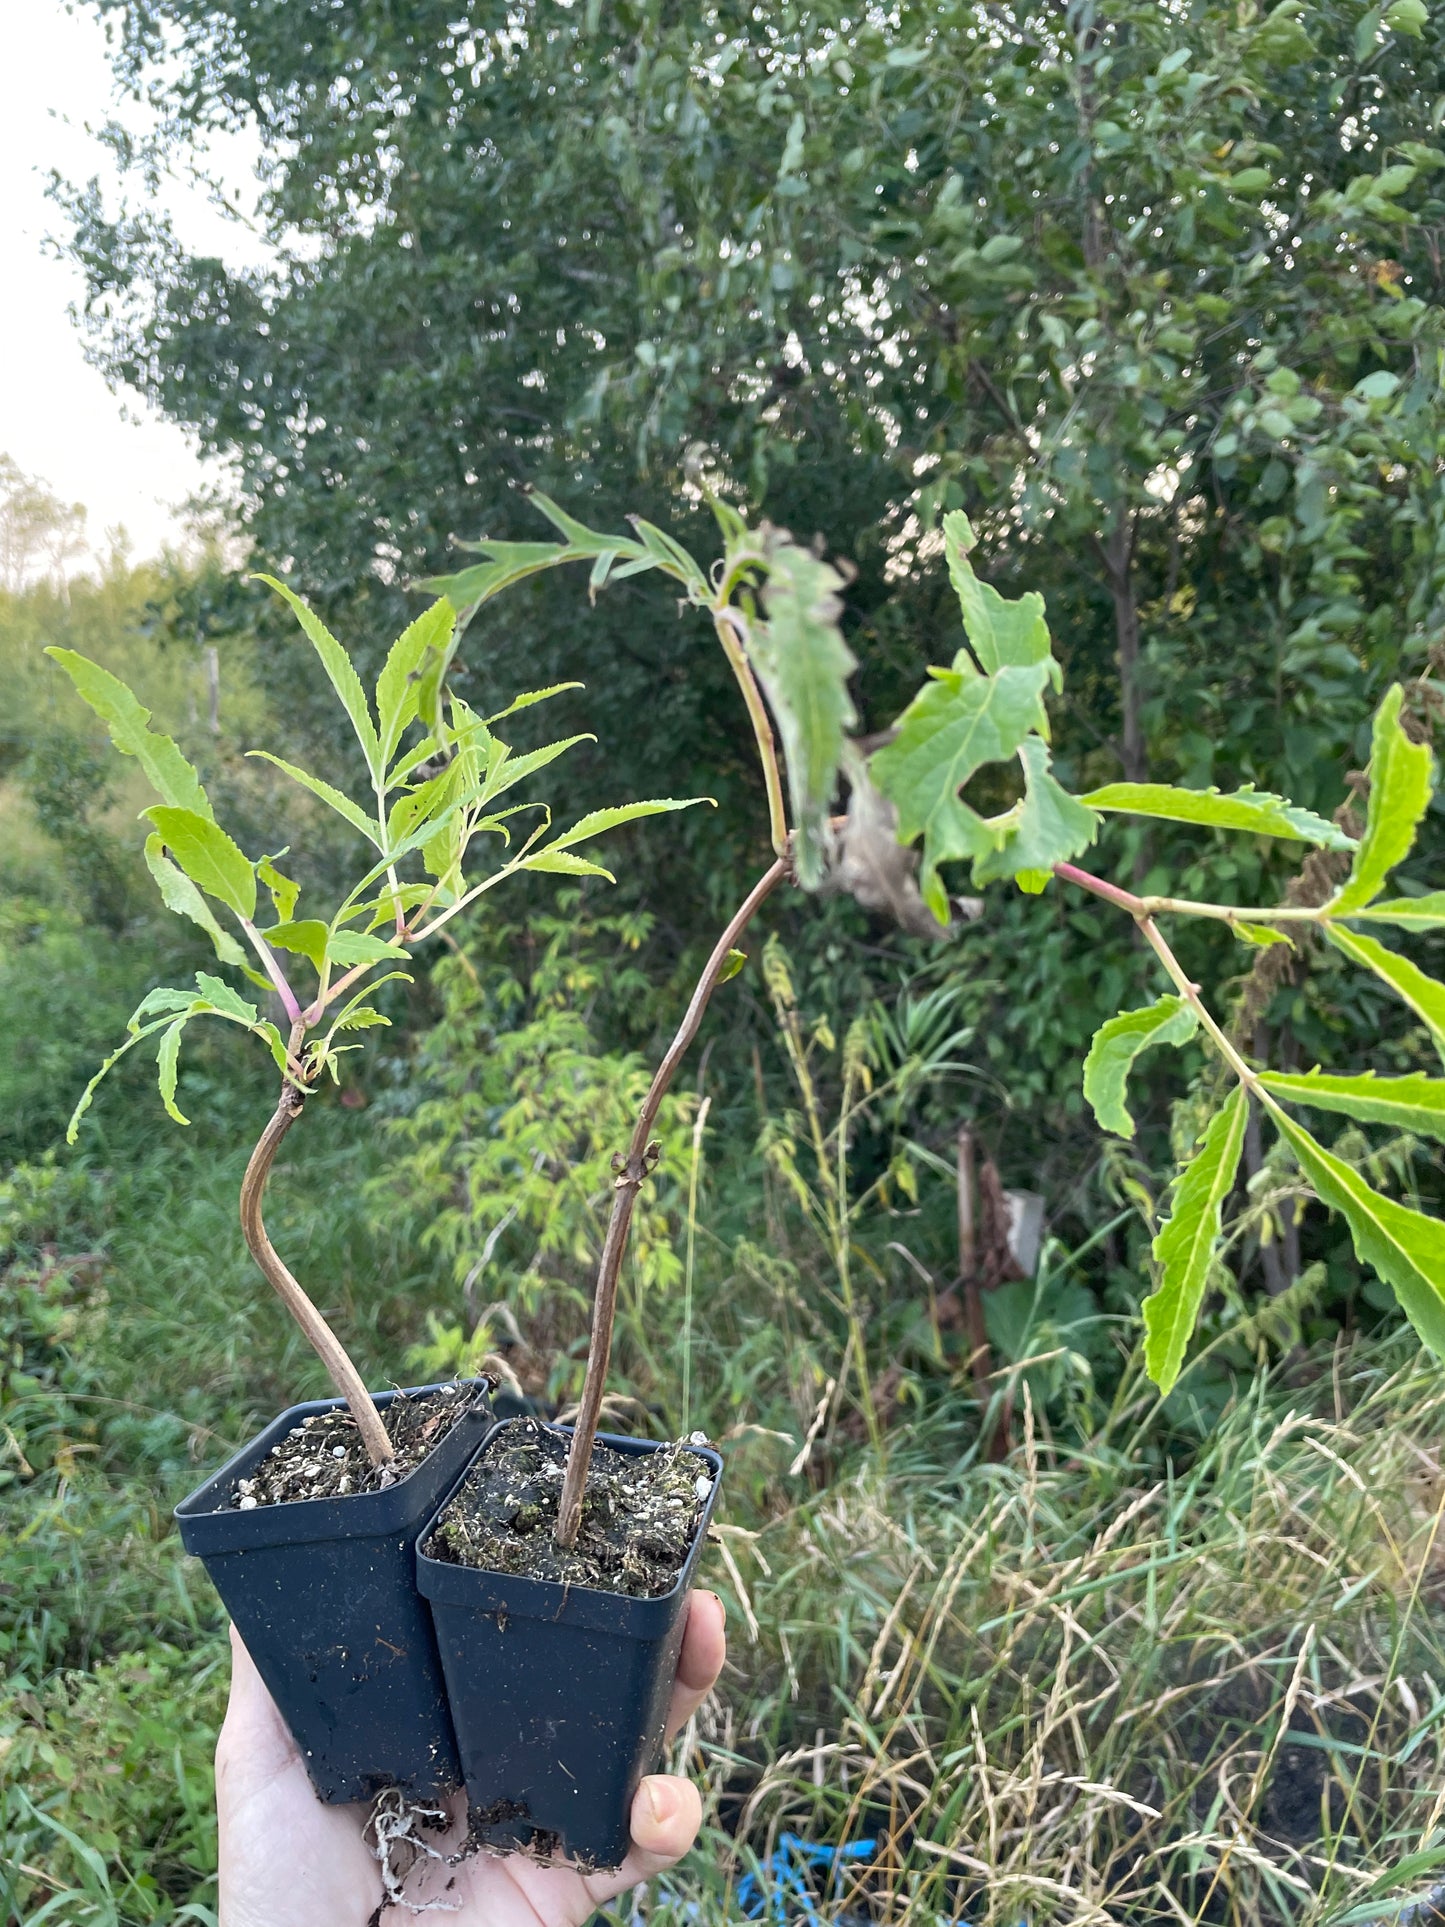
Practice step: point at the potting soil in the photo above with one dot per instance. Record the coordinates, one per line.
(639, 1513)
(324, 1457)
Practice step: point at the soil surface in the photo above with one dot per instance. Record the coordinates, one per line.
(639, 1515)
(323, 1457)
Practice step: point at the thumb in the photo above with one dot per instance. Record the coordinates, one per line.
(666, 1816)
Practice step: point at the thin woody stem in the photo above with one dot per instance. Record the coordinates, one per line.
(640, 1161)
(343, 1374)
(731, 628)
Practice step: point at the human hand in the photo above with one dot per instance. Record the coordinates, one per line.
(287, 1860)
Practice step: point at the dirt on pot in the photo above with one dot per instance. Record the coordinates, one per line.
(324, 1458)
(639, 1513)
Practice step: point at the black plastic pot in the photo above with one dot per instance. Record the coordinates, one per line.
(323, 1592)
(558, 1694)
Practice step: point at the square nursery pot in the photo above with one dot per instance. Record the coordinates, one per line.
(323, 1591)
(558, 1693)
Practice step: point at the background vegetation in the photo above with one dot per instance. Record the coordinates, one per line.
(1154, 293)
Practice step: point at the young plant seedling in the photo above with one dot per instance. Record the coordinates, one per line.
(441, 783)
(775, 608)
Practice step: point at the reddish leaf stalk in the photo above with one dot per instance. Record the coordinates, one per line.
(640, 1161)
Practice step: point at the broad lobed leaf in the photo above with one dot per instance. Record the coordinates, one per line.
(1001, 632)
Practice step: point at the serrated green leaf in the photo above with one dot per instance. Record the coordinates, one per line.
(168, 1069)
(208, 857)
(181, 895)
(956, 724)
(1186, 1244)
(1403, 1247)
(1117, 1043)
(530, 696)
(305, 939)
(1043, 828)
(1259, 934)
(733, 963)
(223, 1000)
(563, 863)
(511, 770)
(1001, 632)
(1249, 809)
(803, 664)
(128, 722)
(341, 672)
(398, 687)
(363, 1019)
(1424, 996)
(332, 798)
(598, 821)
(1410, 913)
(136, 1034)
(671, 557)
(351, 947)
(1399, 796)
(1412, 1103)
(283, 891)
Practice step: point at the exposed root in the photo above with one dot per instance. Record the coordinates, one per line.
(396, 1835)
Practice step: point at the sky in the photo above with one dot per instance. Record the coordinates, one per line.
(58, 419)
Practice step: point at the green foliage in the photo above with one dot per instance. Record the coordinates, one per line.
(1168, 1020)
(1400, 787)
(1247, 809)
(1186, 1245)
(431, 817)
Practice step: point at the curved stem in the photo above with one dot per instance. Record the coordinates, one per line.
(729, 624)
(343, 1374)
(640, 1161)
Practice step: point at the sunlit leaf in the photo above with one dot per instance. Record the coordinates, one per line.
(307, 939)
(804, 664)
(170, 775)
(1001, 632)
(283, 891)
(181, 895)
(398, 685)
(1409, 913)
(598, 821)
(341, 672)
(208, 857)
(168, 1069)
(332, 798)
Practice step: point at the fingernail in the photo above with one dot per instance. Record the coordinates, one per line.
(658, 1794)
